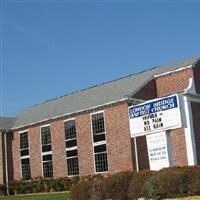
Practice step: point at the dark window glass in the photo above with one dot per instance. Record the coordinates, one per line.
(47, 157)
(25, 161)
(71, 153)
(26, 170)
(71, 143)
(72, 166)
(101, 162)
(100, 137)
(46, 148)
(24, 140)
(46, 135)
(48, 169)
(24, 152)
(98, 123)
(100, 148)
(70, 129)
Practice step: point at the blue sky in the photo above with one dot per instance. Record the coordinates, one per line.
(51, 48)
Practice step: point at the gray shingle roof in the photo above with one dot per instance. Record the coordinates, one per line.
(6, 123)
(95, 96)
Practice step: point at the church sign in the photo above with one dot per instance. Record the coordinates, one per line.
(154, 116)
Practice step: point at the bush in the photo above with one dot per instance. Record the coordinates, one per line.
(40, 185)
(137, 182)
(98, 190)
(88, 188)
(166, 183)
(173, 182)
(2, 189)
(117, 185)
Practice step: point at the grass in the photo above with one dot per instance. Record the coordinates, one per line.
(186, 198)
(53, 196)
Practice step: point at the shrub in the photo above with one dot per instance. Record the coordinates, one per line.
(172, 182)
(88, 188)
(2, 189)
(150, 189)
(137, 182)
(80, 191)
(194, 184)
(166, 183)
(117, 185)
(40, 185)
(20, 187)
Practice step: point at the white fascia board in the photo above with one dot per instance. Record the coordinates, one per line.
(173, 71)
(73, 113)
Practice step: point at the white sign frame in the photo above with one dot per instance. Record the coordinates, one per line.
(143, 117)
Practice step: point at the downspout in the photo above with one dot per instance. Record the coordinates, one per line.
(6, 163)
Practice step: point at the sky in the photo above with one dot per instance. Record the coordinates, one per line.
(52, 48)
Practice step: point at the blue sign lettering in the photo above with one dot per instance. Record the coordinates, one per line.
(153, 107)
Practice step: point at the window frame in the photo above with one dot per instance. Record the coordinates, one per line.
(96, 113)
(24, 156)
(98, 143)
(47, 152)
(71, 148)
(68, 120)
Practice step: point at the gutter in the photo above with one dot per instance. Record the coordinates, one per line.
(126, 98)
(6, 161)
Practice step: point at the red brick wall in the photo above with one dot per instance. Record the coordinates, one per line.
(143, 159)
(58, 149)
(173, 83)
(84, 144)
(118, 138)
(170, 84)
(178, 145)
(118, 144)
(147, 92)
(196, 124)
(16, 156)
(35, 151)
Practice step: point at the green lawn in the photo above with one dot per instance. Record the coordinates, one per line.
(58, 196)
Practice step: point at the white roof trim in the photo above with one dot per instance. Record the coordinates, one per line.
(176, 70)
(68, 114)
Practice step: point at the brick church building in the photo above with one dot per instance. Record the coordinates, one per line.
(91, 131)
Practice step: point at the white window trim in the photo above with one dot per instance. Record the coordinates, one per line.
(44, 153)
(67, 120)
(27, 156)
(23, 131)
(24, 157)
(48, 152)
(70, 119)
(72, 157)
(47, 161)
(70, 139)
(98, 143)
(67, 168)
(70, 148)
